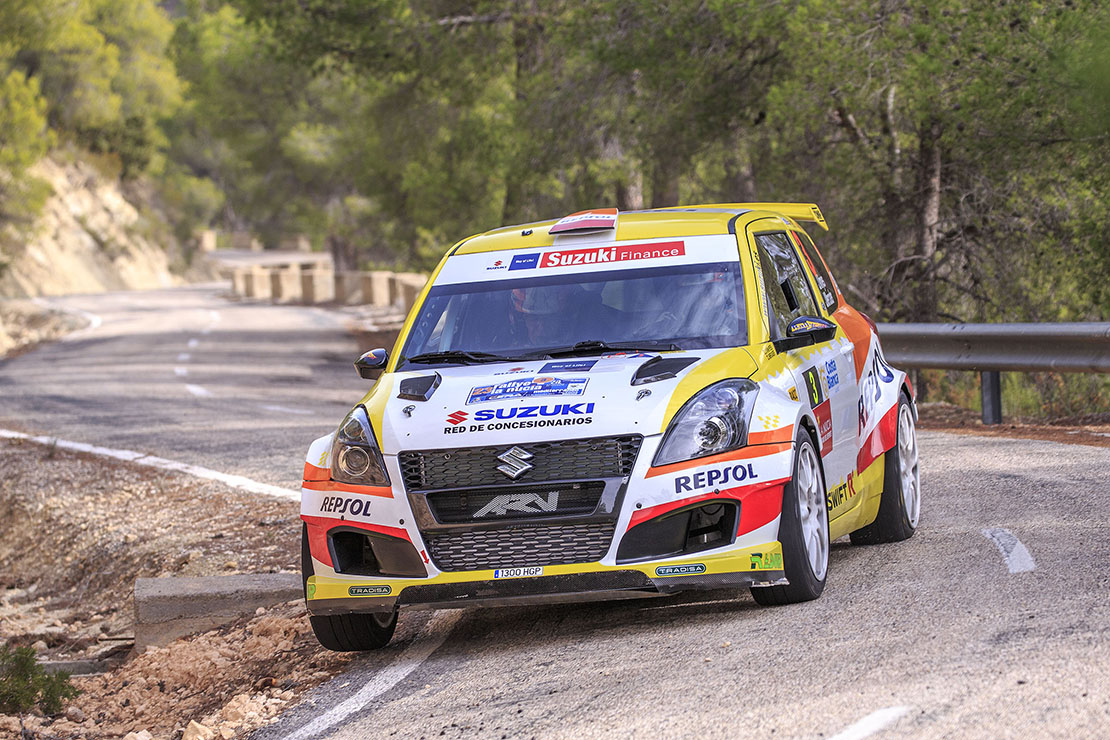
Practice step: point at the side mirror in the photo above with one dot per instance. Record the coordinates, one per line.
(371, 363)
(806, 330)
(821, 330)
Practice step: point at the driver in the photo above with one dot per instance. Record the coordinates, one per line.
(547, 312)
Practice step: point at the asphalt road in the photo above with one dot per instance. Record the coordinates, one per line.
(992, 621)
(185, 374)
(936, 630)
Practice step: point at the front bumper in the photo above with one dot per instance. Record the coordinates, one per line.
(759, 565)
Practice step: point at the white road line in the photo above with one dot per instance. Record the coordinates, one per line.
(1016, 555)
(198, 390)
(286, 410)
(433, 635)
(872, 723)
(214, 316)
(184, 357)
(181, 372)
(150, 461)
(192, 343)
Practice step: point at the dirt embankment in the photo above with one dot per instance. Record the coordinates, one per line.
(89, 238)
(76, 530)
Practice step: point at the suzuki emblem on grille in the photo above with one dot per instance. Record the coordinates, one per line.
(516, 462)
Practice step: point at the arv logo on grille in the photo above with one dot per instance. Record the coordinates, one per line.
(519, 502)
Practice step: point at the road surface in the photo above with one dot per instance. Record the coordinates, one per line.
(993, 621)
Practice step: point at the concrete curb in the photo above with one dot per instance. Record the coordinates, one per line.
(169, 608)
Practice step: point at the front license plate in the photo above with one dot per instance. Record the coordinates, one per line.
(517, 572)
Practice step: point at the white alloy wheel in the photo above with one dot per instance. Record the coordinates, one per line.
(907, 459)
(812, 509)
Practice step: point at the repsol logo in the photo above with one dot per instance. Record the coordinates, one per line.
(710, 478)
(344, 505)
(526, 412)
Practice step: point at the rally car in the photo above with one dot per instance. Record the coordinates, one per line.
(611, 405)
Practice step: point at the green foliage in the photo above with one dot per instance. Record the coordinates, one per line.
(24, 684)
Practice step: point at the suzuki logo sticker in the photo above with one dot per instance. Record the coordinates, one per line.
(516, 462)
(522, 502)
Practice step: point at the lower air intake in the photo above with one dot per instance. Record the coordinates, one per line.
(517, 547)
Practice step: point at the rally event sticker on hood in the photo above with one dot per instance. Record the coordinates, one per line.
(528, 388)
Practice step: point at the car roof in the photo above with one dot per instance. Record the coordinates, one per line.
(694, 220)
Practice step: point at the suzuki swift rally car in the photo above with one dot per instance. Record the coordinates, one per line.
(611, 405)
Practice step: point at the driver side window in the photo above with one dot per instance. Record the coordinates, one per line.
(787, 287)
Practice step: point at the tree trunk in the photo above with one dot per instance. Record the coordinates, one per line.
(928, 218)
(527, 32)
(342, 253)
(664, 182)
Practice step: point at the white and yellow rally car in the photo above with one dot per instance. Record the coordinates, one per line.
(611, 405)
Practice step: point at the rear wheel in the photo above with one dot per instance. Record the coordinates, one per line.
(354, 632)
(900, 505)
(803, 531)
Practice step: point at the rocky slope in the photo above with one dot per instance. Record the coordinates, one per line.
(89, 238)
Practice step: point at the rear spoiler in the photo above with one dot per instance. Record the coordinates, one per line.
(797, 211)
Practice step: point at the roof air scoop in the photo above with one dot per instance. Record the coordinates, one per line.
(586, 222)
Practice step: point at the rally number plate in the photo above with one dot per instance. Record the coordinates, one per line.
(518, 572)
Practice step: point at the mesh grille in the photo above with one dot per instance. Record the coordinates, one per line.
(600, 457)
(516, 547)
(493, 504)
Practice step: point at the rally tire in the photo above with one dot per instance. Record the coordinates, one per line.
(346, 633)
(900, 504)
(804, 509)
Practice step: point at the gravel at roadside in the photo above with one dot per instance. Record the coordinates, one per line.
(76, 530)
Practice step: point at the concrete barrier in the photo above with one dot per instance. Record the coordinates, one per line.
(310, 283)
(405, 287)
(169, 608)
(317, 286)
(375, 288)
(238, 282)
(285, 284)
(256, 283)
(348, 287)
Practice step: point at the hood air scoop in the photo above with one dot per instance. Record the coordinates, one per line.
(419, 389)
(661, 368)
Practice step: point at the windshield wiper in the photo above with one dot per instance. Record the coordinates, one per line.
(466, 357)
(590, 346)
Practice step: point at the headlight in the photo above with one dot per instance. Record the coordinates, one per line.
(355, 457)
(715, 420)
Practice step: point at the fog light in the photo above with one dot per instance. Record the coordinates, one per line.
(354, 460)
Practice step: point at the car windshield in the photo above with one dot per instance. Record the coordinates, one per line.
(663, 308)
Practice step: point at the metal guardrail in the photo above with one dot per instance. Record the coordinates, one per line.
(994, 348)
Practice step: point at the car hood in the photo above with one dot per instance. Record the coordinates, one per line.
(492, 404)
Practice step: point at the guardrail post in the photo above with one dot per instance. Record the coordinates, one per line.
(990, 383)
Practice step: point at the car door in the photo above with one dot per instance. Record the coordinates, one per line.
(824, 370)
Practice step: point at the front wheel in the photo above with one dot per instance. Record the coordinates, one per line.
(354, 632)
(803, 531)
(900, 505)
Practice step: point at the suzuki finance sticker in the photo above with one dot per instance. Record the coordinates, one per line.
(528, 388)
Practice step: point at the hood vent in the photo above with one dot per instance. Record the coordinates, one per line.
(661, 368)
(419, 389)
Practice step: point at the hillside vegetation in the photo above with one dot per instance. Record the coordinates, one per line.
(958, 149)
